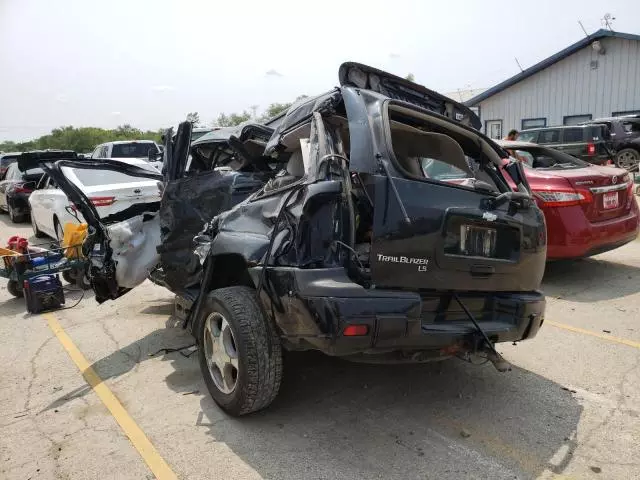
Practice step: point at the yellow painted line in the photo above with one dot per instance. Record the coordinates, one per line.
(603, 336)
(147, 451)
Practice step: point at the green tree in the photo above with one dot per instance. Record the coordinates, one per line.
(82, 139)
(194, 118)
(275, 109)
(232, 119)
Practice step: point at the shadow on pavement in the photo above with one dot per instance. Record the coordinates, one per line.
(335, 419)
(165, 343)
(590, 280)
(341, 420)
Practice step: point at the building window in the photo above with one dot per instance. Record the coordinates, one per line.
(533, 123)
(493, 129)
(627, 112)
(576, 119)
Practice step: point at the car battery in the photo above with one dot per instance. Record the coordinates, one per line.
(43, 292)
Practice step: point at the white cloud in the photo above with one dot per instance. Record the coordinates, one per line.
(394, 55)
(62, 98)
(115, 114)
(273, 73)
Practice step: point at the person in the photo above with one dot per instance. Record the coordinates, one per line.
(513, 135)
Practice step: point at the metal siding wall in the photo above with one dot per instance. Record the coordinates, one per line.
(570, 87)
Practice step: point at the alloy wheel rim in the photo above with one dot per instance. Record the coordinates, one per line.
(628, 160)
(220, 352)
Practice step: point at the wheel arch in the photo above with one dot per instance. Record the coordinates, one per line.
(230, 270)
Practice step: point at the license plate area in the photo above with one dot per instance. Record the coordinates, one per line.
(610, 200)
(466, 237)
(476, 241)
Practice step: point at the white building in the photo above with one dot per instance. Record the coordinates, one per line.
(598, 76)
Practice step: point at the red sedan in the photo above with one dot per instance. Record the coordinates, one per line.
(589, 209)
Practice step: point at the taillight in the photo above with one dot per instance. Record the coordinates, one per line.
(97, 202)
(563, 197)
(102, 201)
(591, 149)
(355, 330)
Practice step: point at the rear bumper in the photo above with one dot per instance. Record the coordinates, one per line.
(316, 318)
(571, 235)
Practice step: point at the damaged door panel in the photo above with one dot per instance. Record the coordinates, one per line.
(358, 246)
(223, 168)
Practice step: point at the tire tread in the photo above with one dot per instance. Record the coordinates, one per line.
(263, 352)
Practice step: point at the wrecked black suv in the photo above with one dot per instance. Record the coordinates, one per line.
(351, 248)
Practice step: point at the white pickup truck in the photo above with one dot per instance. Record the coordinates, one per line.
(128, 149)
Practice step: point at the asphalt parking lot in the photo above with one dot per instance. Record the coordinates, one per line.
(569, 409)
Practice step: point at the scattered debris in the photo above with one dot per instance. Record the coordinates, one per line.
(596, 469)
(464, 433)
(569, 390)
(606, 331)
(620, 309)
(172, 350)
(57, 389)
(191, 393)
(20, 416)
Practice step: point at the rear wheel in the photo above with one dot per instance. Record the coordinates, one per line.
(36, 231)
(15, 289)
(13, 216)
(69, 276)
(239, 351)
(78, 277)
(628, 158)
(59, 230)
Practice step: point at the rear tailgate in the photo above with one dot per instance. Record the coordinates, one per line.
(609, 188)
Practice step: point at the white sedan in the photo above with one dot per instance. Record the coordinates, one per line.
(110, 192)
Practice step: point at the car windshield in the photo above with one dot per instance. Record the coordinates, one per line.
(132, 150)
(546, 158)
(92, 178)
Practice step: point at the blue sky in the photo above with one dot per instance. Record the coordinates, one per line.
(149, 63)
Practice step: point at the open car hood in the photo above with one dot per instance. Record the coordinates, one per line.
(397, 88)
